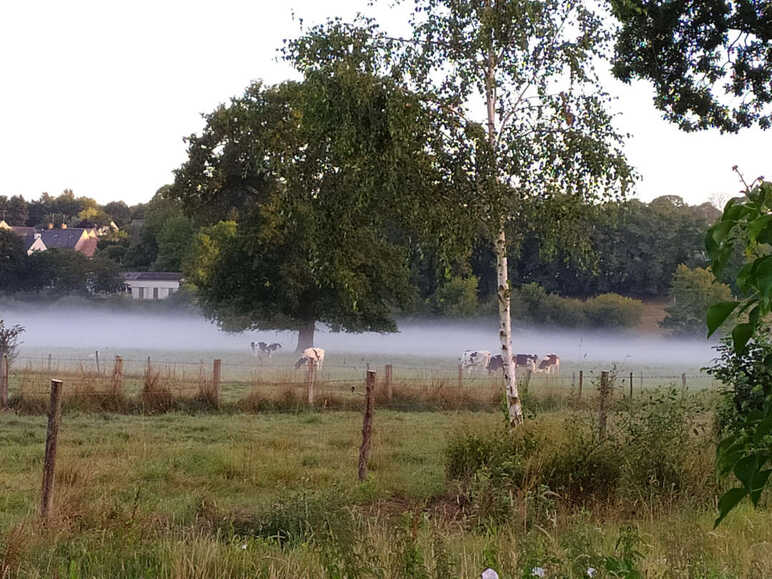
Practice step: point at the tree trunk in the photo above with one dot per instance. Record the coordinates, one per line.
(305, 337)
(503, 292)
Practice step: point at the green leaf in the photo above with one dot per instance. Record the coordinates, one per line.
(718, 313)
(729, 501)
(745, 470)
(740, 336)
(759, 482)
(758, 225)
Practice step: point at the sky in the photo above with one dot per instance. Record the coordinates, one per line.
(97, 96)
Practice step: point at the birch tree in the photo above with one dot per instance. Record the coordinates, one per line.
(524, 116)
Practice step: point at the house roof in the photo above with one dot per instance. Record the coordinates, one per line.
(61, 238)
(152, 276)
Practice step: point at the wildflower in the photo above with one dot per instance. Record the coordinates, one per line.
(591, 571)
(489, 574)
(244, 547)
(537, 572)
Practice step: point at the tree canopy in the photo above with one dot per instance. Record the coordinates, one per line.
(307, 188)
(709, 60)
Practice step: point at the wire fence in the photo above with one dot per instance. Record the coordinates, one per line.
(234, 379)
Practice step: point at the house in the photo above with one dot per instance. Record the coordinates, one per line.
(152, 285)
(83, 240)
(31, 237)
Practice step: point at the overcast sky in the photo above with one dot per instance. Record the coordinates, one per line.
(96, 96)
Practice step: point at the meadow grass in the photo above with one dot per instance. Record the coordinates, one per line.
(274, 494)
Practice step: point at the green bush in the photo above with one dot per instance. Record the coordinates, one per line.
(613, 311)
(457, 297)
(533, 304)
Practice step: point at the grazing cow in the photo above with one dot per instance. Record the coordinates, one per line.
(495, 364)
(550, 365)
(315, 355)
(263, 350)
(475, 359)
(526, 361)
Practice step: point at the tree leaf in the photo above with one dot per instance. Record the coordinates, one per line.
(718, 313)
(729, 501)
(740, 336)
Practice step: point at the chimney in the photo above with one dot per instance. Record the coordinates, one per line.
(64, 226)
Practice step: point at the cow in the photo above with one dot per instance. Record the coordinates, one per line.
(550, 365)
(314, 355)
(263, 350)
(526, 361)
(495, 364)
(475, 359)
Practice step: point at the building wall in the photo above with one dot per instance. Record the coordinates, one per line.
(152, 290)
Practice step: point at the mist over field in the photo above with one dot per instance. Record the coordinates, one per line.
(56, 326)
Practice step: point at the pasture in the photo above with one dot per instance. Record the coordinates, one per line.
(260, 485)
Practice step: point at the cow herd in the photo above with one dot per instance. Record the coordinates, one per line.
(473, 360)
(470, 361)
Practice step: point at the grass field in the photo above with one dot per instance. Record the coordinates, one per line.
(271, 491)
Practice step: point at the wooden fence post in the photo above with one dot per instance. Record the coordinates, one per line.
(683, 381)
(216, 377)
(117, 382)
(631, 385)
(527, 383)
(605, 392)
(49, 464)
(149, 367)
(581, 380)
(96, 356)
(641, 379)
(573, 380)
(49, 362)
(387, 381)
(460, 376)
(4, 381)
(310, 375)
(367, 425)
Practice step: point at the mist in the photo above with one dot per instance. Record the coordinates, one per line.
(92, 328)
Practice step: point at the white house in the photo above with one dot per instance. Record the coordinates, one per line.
(152, 285)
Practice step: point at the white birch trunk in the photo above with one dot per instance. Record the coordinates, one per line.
(514, 408)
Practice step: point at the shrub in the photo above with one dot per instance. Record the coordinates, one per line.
(457, 297)
(744, 378)
(613, 311)
(693, 291)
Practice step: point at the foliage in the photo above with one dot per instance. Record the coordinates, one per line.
(746, 223)
(317, 237)
(9, 339)
(533, 304)
(743, 377)
(692, 291)
(709, 60)
(12, 261)
(457, 297)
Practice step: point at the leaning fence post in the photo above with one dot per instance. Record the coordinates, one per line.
(310, 375)
(605, 392)
(581, 380)
(460, 376)
(216, 377)
(4, 381)
(387, 381)
(49, 463)
(367, 425)
(117, 382)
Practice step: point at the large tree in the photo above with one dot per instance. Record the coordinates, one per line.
(524, 115)
(306, 189)
(710, 61)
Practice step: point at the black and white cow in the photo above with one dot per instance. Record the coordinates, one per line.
(475, 359)
(315, 355)
(526, 361)
(263, 350)
(550, 365)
